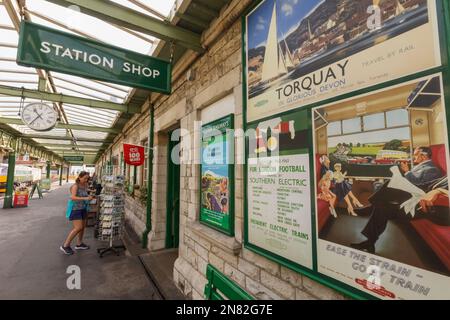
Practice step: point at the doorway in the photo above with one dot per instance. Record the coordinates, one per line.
(173, 194)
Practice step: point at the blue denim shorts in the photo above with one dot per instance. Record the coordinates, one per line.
(78, 215)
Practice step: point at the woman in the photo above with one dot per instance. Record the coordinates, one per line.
(324, 165)
(343, 190)
(78, 215)
(326, 194)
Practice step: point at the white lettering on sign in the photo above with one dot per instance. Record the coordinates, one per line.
(139, 70)
(95, 59)
(135, 156)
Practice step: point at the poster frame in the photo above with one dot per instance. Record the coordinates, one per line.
(443, 21)
(231, 176)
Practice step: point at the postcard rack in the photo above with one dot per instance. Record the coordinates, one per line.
(112, 212)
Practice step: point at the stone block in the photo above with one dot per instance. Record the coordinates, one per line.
(260, 261)
(227, 257)
(216, 262)
(259, 291)
(292, 277)
(249, 269)
(234, 275)
(281, 287)
(320, 291)
(303, 295)
(202, 264)
(201, 251)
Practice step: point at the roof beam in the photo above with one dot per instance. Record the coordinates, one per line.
(49, 137)
(54, 97)
(191, 19)
(125, 17)
(6, 27)
(149, 9)
(62, 153)
(62, 145)
(64, 126)
(203, 10)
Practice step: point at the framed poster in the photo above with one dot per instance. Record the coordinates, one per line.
(363, 80)
(278, 188)
(301, 52)
(217, 175)
(382, 205)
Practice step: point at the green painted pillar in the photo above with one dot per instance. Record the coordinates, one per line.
(148, 218)
(48, 170)
(60, 175)
(68, 171)
(8, 202)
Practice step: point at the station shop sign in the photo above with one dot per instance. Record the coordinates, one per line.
(339, 96)
(54, 50)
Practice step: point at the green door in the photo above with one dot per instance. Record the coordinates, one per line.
(173, 196)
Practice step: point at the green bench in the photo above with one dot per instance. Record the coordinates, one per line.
(219, 287)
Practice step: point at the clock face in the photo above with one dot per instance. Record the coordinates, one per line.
(39, 116)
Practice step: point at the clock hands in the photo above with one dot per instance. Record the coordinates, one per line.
(35, 119)
(39, 116)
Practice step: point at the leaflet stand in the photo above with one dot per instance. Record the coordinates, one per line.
(112, 208)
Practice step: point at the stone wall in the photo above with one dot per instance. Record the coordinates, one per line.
(217, 74)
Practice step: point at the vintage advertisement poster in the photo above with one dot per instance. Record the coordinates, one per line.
(279, 197)
(217, 175)
(302, 52)
(382, 205)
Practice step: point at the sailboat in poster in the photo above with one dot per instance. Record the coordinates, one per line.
(276, 62)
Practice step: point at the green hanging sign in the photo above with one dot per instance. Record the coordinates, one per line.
(73, 158)
(54, 50)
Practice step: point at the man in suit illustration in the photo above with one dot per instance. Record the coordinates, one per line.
(385, 203)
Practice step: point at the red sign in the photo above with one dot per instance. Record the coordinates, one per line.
(134, 155)
(375, 288)
(20, 200)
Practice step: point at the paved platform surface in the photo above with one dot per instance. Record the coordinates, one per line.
(33, 267)
(159, 265)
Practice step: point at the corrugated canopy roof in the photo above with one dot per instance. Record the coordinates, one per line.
(72, 21)
(180, 17)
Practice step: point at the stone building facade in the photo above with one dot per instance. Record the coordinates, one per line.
(211, 90)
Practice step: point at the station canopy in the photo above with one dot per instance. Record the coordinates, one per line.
(83, 130)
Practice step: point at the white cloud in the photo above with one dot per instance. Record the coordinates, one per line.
(262, 44)
(287, 9)
(260, 27)
(294, 1)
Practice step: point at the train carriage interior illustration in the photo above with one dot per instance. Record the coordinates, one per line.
(357, 144)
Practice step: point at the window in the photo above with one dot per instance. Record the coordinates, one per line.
(334, 128)
(351, 125)
(374, 122)
(397, 118)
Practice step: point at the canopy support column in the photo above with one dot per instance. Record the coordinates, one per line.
(8, 202)
(61, 175)
(48, 170)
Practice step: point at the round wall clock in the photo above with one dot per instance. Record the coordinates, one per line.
(39, 116)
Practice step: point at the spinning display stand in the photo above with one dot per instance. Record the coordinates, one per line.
(112, 211)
